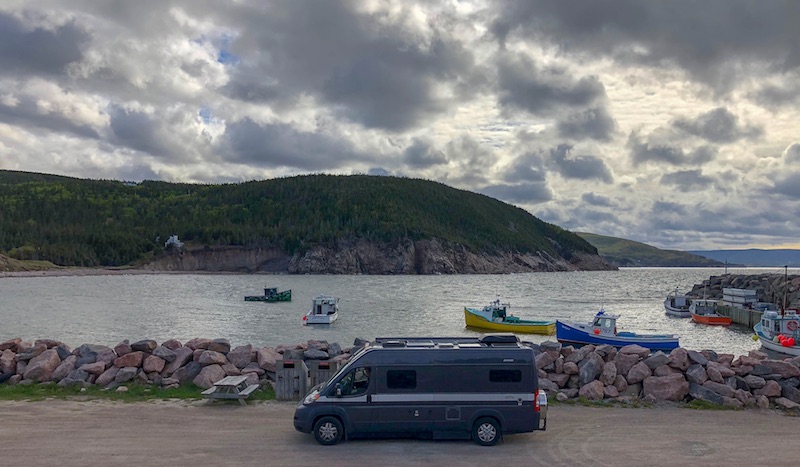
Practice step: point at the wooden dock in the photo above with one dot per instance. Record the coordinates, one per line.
(743, 316)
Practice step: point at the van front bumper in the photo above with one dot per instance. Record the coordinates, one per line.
(303, 419)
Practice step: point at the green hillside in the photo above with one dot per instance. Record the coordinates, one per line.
(76, 222)
(627, 253)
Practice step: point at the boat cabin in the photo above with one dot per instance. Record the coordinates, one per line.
(496, 311)
(703, 307)
(605, 323)
(774, 323)
(325, 305)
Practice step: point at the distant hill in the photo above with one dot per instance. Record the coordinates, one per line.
(304, 224)
(754, 257)
(628, 253)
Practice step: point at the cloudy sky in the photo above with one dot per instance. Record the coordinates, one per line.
(675, 122)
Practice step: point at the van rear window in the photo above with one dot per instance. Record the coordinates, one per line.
(505, 376)
(401, 379)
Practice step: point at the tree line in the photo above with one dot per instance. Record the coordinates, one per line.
(80, 222)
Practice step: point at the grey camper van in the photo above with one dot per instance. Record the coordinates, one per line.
(442, 387)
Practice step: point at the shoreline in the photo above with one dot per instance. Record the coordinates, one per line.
(69, 272)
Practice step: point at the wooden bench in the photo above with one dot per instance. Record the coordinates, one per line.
(230, 387)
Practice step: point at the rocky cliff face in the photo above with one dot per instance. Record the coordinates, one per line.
(364, 257)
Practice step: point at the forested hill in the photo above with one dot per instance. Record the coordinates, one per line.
(78, 222)
(625, 253)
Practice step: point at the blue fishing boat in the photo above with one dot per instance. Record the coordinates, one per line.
(603, 330)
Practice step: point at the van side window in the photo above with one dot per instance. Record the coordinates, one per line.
(401, 379)
(505, 376)
(355, 382)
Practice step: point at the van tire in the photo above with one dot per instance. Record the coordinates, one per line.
(328, 431)
(486, 431)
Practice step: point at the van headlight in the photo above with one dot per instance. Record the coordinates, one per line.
(311, 398)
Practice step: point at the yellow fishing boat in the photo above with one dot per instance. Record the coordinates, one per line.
(495, 317)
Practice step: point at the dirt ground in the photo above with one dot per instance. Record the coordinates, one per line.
(80, 433)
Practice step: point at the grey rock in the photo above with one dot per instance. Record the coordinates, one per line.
(721, 389)
(189, 372)
(88, 357)
(78, 375)
(126, 374)
(182, 356)
(222, 346)
(63, 352)
(144, 345)
(590, 368)
(313, 354)
(107, 377)
(164, 353)
(697, 357)
(656, 360)
(334, 349)
(755, 382)
(703, 393)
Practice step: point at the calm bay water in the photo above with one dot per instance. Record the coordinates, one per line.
(108, 309)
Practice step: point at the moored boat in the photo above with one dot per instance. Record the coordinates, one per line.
(603, 330)
(704, 311)
(780, 331)
(677, 305)
(324, 310)
(496, 317)
(271, 294)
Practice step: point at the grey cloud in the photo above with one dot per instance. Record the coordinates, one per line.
(717, 126)
(137, 130)
(526, 168)
(788, 185)
(26, 114)
(708, 39)
(779, 96)
(643, 152)
(370, 71)
(280, 145)
(687, 180)
(579, 167)
(792, 153)
(542, 91)
(523, 193)
(597, 200)
(595, 123)
(421, 154)
(24, 50)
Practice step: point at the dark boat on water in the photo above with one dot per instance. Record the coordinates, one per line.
(271, 295)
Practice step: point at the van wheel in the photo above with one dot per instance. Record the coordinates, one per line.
(328, 431)
(486, 431)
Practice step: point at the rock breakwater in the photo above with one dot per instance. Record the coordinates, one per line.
(200, 361)
(603, 372)
(769, 288)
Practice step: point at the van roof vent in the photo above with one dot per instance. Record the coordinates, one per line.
(500, 339)
(387, 344)
(420, 344)
(446, 345)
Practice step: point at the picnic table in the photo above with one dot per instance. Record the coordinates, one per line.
(230, 387)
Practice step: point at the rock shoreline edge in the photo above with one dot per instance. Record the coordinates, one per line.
(595, 373)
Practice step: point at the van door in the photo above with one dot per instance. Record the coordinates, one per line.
(353, 394)
(402, 405)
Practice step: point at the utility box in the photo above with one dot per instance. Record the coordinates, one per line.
(321, 371)
(292, 380)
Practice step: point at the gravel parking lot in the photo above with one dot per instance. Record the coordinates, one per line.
(64, 433)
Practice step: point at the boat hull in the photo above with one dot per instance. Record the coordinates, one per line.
(525, 327)
(677, 312)
(775, 346)
(569, 334)
(321, 319)
(713, 320)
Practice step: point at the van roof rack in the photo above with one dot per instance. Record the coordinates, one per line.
(489, 340)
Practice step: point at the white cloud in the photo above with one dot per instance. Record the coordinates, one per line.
(472, 94)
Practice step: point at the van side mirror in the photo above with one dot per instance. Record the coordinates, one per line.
(338, 390)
